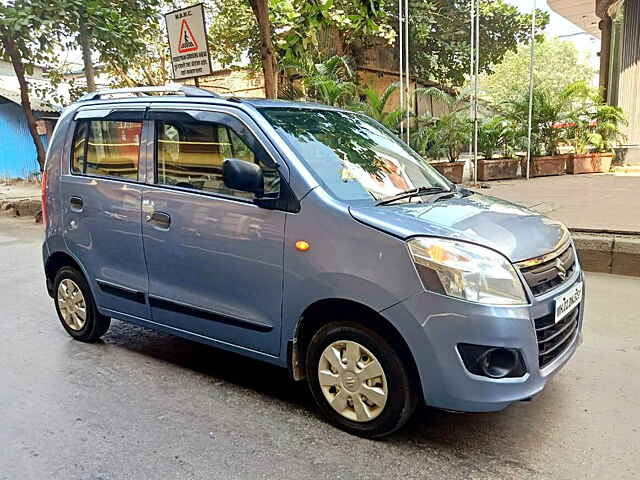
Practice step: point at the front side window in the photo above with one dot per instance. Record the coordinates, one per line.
(107, 148)
(353, 156)
(191, 154)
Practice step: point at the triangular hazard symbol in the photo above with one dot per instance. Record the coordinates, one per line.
(186, 42)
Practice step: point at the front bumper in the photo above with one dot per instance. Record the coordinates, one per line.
(444, 322)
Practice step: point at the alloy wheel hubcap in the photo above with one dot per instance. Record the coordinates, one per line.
(352, 380)
(72, 305)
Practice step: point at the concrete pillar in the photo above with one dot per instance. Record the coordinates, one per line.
(605, 55)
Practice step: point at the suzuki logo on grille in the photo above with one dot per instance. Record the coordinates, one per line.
(562, 271)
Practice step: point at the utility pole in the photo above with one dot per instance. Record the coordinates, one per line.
(531, 65)
(475, 92)
(406, 62)
(472, 68)
(401, 49)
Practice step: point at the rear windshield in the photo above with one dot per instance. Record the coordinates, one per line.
(352, 155)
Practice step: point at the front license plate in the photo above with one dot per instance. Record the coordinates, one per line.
(568, 301)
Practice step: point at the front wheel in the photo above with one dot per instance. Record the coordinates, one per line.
(359, 380)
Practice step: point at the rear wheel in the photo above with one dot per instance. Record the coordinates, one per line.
(76, 308)
(359, 380)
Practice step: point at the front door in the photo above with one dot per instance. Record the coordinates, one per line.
(102, 201)
(215, 259)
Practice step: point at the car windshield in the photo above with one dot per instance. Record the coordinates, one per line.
(352, 155)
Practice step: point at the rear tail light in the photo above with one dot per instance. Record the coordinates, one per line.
(44, 198)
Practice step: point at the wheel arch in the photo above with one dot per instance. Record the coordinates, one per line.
(325, 311)
(55, 262)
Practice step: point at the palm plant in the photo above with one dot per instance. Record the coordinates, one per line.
(497, 134)
(607, 130)
(454, 103)
(549, 110)
(331, 81)
(375, 106)
(447, 135)
(442, 137)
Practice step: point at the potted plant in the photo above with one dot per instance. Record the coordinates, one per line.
(595, 135)
(445, 136)
(550, 111)
(442, 140)
(496, 136)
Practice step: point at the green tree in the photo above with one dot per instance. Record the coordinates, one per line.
(557, 66)
(299, 28)
(267, 50)
(440, 36)
(29, 32)
(118, 30)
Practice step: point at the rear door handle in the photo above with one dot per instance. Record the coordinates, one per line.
(159, 220)
(76, 204)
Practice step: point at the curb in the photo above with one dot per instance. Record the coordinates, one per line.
(22, 207)
(608, 251)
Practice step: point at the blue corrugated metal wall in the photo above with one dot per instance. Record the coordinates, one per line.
(17, 152)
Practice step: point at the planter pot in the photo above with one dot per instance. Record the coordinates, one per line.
(589, 163)
(497, 168)
(545, 166)
(452, 170)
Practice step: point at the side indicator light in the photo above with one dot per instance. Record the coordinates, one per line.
(302, 245)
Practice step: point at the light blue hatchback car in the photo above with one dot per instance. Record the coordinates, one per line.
(308, 237)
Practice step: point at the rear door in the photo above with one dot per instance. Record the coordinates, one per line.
(102, 196)
(215, 258)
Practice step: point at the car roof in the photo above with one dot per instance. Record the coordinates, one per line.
(185, 95)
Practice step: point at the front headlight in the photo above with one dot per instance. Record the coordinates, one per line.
(466, 271)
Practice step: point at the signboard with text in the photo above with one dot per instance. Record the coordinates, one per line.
(188, 42)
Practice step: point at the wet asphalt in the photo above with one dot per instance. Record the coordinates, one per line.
(145, 405)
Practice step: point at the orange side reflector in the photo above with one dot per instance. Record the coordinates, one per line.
(302, 245)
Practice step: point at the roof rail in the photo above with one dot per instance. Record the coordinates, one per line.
(185, 90)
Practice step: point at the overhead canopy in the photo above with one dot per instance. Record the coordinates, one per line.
(36, 104)
(581, 13)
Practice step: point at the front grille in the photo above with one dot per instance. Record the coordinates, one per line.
(547, 275)
(555, 338)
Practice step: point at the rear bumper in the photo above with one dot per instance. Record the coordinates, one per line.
(444, 322)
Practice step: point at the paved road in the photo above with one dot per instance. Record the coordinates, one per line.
(143, 405)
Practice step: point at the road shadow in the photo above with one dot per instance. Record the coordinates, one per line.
(506, 436)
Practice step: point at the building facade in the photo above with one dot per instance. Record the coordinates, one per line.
(617, 23)
(18, 157)
(377, 69)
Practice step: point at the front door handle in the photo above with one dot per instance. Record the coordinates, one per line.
(159, 220)
(76, 204)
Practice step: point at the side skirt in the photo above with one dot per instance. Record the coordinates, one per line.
(194, 337)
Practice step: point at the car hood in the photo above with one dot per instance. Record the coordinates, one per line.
(516, 232)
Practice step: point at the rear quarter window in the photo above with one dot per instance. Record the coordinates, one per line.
(107, 148)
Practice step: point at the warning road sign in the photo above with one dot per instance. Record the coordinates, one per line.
(188, 42)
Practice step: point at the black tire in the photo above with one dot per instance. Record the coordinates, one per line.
(96, 325)
(402, 397)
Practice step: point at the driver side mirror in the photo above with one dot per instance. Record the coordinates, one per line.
(242, 175)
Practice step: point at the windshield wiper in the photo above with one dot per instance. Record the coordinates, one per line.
(416, 192)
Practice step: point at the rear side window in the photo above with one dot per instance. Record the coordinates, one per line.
(191, 154)
(107, 149)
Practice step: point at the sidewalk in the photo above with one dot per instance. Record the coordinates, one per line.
(602, 210)
(20, 199)
(599, 202)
